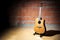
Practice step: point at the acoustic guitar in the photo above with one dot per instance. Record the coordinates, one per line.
(39, 24)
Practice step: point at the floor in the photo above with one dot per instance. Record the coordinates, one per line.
(26, 33)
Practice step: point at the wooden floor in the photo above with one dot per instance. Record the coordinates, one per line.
(26, 33)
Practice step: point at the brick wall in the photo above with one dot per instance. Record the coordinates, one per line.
(26, 13)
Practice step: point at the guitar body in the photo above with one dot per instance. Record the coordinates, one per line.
(39, 26)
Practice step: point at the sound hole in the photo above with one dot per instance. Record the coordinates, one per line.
(39, 22)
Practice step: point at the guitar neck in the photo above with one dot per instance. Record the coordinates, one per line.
(40, 12)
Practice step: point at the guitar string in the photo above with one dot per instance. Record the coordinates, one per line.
(40, 9)
(40, 12)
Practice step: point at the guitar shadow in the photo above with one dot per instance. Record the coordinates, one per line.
(48, 33)
(51, 33)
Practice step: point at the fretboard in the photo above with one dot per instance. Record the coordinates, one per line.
(40, 12)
